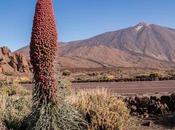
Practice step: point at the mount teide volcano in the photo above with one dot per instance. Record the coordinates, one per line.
(143, 45)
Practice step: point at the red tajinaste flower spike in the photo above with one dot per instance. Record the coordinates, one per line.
(43, 49)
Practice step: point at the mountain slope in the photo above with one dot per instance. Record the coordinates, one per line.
(143, 45)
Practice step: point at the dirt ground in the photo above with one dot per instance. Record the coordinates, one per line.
(166, 122)
(128, 88)
(142, 87)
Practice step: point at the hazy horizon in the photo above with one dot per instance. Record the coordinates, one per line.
(79, 19)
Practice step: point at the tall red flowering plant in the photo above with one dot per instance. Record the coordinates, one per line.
(49, 111)
(43, 49)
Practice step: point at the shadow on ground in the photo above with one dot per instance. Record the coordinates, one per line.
(167, 121)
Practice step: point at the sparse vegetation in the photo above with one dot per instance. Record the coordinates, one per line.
(64, 87)
(154, 76)
(97, 107)
(15, 105)
(101, 110)
(13, 89)
(15, 108)
(66, 73)
(120, 75)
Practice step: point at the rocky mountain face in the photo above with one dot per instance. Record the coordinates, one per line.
(143, 45)
(13, 62)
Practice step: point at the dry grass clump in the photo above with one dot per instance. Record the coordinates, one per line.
(107, 77)
(14, 89)
(22, 79)
(65, 87)
(15, 105)
(100, 109)
(15, 109)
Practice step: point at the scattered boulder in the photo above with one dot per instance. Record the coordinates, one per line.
(145, 106)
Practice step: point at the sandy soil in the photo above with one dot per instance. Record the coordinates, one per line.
(127, 88)
(131, 87)
(166, 122)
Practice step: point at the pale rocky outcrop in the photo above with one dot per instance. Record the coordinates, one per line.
(13, 62)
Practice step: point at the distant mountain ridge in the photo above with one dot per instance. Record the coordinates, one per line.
(142, 45)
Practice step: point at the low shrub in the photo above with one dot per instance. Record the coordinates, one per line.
(4, 82)
(93, 74)
(107, 77)
(65, 87)
(66, 73)
(15, 105)
(14, 89)
(154, 76)
(104, 77)
(81, 78)
(100, 109)
(14, 110)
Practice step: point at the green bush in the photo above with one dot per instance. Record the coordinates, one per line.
(101, 110)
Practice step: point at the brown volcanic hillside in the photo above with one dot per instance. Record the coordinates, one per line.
(143, 45)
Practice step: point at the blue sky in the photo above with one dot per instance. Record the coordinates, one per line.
(81, 19)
